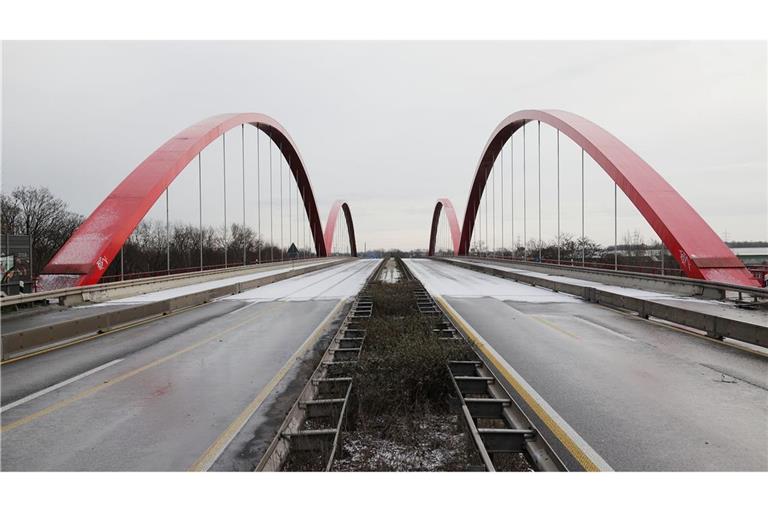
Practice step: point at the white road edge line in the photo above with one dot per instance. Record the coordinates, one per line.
(57, 386)
(214, 451)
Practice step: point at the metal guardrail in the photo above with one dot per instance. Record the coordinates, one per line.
(76, 295)
(27, 340)
(715, 326)
(707, 289)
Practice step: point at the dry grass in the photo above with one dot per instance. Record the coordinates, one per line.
(401, 420)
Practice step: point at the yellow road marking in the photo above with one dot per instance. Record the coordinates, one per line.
(209, 456)
(98, 335)
(555, 327)
(95, 389)
(553, 426)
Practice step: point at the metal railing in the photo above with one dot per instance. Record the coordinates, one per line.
(187, 270)
(722, 289)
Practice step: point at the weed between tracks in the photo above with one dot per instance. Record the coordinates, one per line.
(401, 418)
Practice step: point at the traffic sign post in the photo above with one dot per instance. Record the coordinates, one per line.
(293, 253)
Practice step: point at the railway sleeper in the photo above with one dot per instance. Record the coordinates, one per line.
(322, 408)
(320, 440)
(345, 354)
(472, 384)
(356, 342)
(464, 368)
(333, 386)
(491, 408)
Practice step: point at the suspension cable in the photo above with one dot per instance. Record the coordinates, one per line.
(242, 130)
(512, 191)
(558, 197)
(615, 227)
(539, 181)
(525, 204)
(290, 216)
(583, 241)
(167, 234)
(200, 204)
(224, 160)
(487, 238)
(501, 162)
(258, 189)
(271, 204)
(282, 244)
(493, 191)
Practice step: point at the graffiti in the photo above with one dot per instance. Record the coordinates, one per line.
(101, 263)
(685, 262)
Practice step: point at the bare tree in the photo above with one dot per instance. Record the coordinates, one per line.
(34, 211)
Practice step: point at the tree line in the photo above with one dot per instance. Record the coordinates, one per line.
(634, 251)
(151, 246)
(49, 223)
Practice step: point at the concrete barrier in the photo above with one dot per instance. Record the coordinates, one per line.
(715, 326)
(110, 291)
(27, 340)
(664, 284)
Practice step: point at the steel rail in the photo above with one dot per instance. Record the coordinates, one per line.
(495, 422)
(313, 427)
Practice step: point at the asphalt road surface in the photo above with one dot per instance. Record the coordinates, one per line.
(170, 394)
(644, 396)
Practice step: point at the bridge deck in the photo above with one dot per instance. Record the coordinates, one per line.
(163, 394)
(642, 395)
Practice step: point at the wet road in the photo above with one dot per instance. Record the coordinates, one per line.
(642, 395)
(171, 394)
(52, 314)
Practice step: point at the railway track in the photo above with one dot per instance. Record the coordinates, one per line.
(497, 431)
(309, 437)
(497, 426)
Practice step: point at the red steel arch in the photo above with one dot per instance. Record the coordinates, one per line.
(696, 247)
(84, 258)
(330, 227)
(453, 225)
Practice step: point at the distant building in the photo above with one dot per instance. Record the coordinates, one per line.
(752, 255)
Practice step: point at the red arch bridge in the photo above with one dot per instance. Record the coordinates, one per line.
(87, 255)
(566, 358)
(697, 249)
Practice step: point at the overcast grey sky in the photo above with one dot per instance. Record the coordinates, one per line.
(391, 126)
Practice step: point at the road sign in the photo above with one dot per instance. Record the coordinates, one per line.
(293, 252)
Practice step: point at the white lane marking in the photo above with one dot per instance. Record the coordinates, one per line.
(57, 386)
(603, 328)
